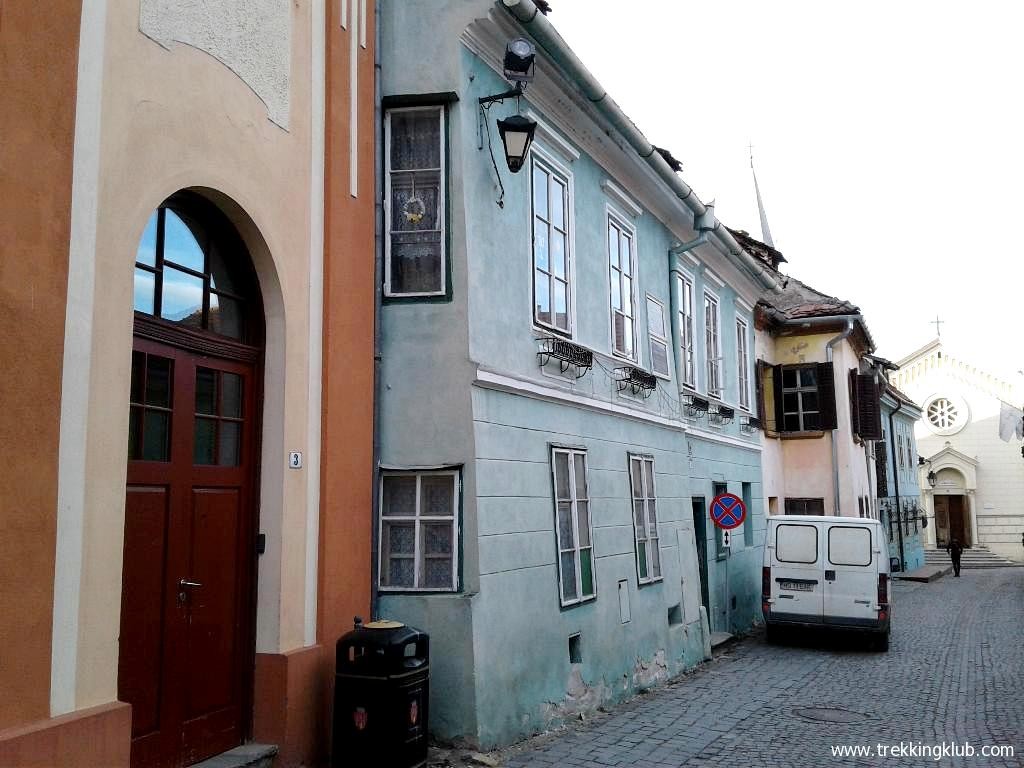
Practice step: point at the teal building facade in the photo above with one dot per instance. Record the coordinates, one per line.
(566, 382)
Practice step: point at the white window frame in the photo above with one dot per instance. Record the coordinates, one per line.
(555, 169)
(627, 230)
(663, 339)
(743, 363)
(687, 351)
(441, 200)
(647, 538)
(713, 346)
(417, 519)
(576, 549)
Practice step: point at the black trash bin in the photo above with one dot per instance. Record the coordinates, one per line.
(381, 695)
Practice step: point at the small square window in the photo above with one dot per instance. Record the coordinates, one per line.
(419, 530)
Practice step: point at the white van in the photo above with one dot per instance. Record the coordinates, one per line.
(826, 571)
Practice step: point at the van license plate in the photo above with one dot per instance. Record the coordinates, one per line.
(797, 586)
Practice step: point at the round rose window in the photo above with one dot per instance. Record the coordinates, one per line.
(946, 414)
(942, 413)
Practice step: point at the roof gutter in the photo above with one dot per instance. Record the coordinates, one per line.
(810, 322)
(527, 14)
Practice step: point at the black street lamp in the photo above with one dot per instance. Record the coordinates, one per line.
(517, 136)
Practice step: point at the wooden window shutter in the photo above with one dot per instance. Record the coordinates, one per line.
(881, 462)
(869, 408)
(759, 369)
(780, 421)
(854, 406)
(827, 397)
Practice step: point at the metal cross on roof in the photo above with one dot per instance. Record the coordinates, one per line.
(936, 322)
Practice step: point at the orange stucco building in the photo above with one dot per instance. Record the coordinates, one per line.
(186, 307)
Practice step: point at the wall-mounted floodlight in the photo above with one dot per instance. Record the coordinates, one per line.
(519, 60)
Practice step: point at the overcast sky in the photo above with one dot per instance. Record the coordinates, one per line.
(888, 141)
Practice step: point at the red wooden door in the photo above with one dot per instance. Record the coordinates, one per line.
(186, 646)
(957, 520)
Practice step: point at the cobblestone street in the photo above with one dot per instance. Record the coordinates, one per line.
(955, 673)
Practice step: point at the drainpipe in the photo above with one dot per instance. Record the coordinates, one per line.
(835, 454)
(378, 277)
(703, 224)
(896, 482)
(527, 14)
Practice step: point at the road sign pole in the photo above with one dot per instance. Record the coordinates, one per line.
(728, 512)
(728, 593)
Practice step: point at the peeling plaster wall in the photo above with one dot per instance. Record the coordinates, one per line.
(252, 39)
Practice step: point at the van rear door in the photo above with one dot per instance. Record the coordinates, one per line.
(797, 589)
(851, 575)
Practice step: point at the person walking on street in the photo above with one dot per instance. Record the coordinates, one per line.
(955, 550)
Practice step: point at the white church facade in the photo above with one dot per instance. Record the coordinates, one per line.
(971, 478)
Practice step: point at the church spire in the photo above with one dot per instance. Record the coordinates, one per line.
(766, 233)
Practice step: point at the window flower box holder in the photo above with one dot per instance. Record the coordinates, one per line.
(695, 406)
(567, 354)
(750, 424)
(721, 414)
(638, 381)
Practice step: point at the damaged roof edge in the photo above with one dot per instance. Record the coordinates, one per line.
(530, 18)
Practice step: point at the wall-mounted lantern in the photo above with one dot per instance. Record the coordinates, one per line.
(517, 136)
(516, 131)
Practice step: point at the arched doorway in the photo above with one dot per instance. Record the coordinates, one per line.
(187, 607)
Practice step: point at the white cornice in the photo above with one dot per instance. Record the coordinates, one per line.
(713, 437)
(528, 388)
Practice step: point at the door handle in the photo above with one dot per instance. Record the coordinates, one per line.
(184, 584)
(830, 575)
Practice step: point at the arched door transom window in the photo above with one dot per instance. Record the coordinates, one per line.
(188, 270)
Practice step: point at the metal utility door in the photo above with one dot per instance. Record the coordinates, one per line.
(797, 587)
(851, 574)
(186, 646)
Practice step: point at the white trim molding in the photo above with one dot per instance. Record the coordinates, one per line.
(77, 364)
(713, 437)
(713, 278)
(316, 316)
(514, 385)
(552, 139)
(743, 304)
(618, 195)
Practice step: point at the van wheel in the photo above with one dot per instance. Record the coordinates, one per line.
(882, 643)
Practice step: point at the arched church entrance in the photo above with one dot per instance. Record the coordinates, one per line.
(187, 608)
